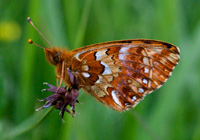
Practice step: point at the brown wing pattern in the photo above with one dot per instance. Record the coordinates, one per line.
(121, 73)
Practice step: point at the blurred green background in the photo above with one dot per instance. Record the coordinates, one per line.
(172, 112)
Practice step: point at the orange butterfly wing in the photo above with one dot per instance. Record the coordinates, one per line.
(120, 73)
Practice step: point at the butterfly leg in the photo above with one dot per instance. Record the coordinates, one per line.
(57, 78)
(62, 74)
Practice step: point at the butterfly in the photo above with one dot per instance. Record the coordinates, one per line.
(118, 73)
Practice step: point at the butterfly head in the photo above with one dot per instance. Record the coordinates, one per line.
(53, 55)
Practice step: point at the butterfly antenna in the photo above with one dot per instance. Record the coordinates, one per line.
(30, 21)
(30, 41)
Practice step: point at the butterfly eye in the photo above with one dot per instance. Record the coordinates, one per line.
(56, 58)
(52, 56)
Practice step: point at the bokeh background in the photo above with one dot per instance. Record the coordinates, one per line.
(170, 113)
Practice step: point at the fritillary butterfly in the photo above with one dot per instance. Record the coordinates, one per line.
(118, 73)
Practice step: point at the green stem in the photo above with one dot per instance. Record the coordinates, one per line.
(26, 126)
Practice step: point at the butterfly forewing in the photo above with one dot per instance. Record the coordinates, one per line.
(121, 73)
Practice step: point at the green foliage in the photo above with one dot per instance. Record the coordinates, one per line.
(172, 112)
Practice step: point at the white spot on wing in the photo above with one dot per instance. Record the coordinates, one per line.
(86, 74)
(106, 68)
(133, 98)
(122, 56)
(124, 49)
(114, 96)
(141, 90)
(146, 70)
(100, 54)
(145, 81)
(99, 80)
